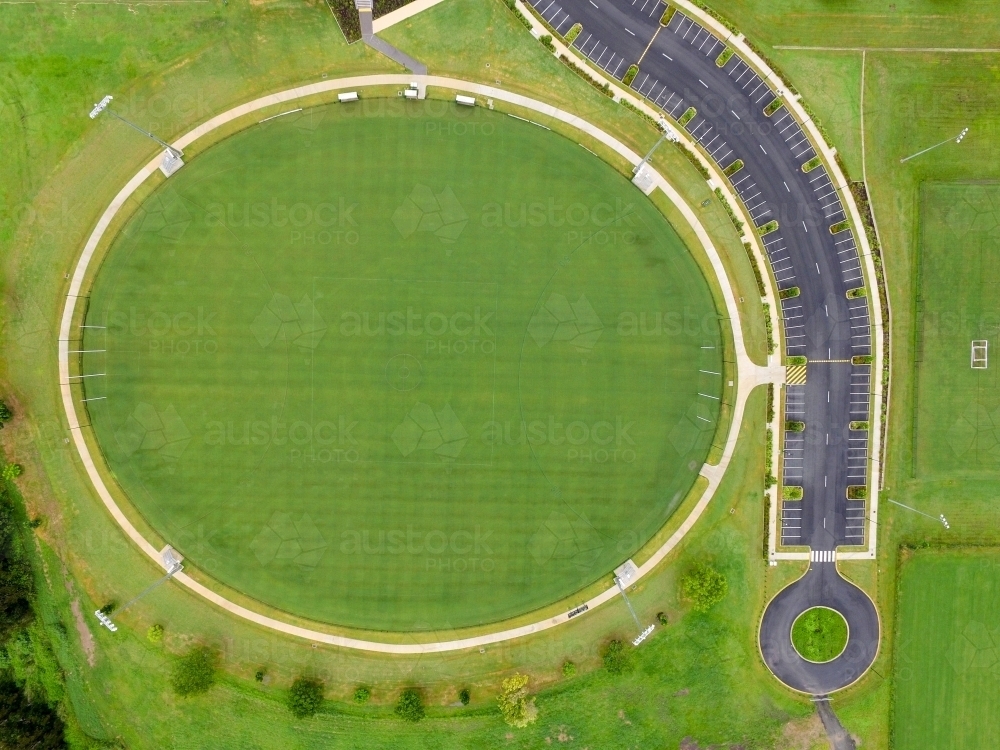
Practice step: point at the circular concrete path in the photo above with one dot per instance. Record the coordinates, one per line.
(749, 375)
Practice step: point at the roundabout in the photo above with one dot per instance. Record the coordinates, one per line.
(265, 522)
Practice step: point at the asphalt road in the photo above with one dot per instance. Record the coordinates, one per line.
(821, 585)
(678, 70)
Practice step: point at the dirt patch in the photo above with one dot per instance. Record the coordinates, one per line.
(86, 638)
(803, 734)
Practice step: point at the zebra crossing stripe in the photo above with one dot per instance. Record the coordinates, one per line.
(826, 556)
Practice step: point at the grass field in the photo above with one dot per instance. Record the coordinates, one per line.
(201, 59)
(958, 407)
(368, 365)
(819, 634)
(947, 668)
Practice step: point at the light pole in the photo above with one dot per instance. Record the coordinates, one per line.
(173, 566)
(957, 138)
(940, 519)
(623, 574)
(172, 159)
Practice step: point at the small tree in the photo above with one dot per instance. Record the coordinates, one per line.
(704, 587)
(517, 709)
(617, 658)
(195, 672)
(410, 706)
(154, 634)
(12, 471)
(305, 697)
(362, 694)
(108, 608)
(464, 696)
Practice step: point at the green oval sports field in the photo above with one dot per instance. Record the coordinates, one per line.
(402, 366)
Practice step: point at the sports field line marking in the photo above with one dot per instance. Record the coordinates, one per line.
(280, 114)
(748, 374)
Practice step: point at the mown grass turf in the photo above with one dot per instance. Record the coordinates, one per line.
(948, 649)
(366, 364)
(957, 416)
(819, 634)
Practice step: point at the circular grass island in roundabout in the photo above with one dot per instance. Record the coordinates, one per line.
(402, 367)
(820, 634)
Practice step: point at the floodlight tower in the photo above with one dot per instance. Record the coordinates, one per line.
(173, 566)
(172, 160)
(624, 574)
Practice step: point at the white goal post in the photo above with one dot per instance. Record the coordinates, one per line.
(980, 358)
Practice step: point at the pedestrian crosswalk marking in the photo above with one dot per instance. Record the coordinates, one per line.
(823, 556)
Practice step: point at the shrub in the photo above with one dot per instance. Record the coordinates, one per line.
(630, 74)
(704, 587)
(194, 673)
(861, 359)
(26, 723)
(791, 493)
(796, 360)
(259, 674)
(756, 269)
(604, 88)
(729, 210)
(616, 657)
(857, 492)
(568, 669)
(859, 425)
(840, 226)
(464, 696)
(305, 696)
(513, 9)
(5, 413)
(689, 114)
(773, 107)
(694, 159)
(769, 479)
(154, 634)
(12, 471)
(347, 18)
(795, 426)
(771, 226)
(768, 328)
(108, 608)
(661, 617)
(546, 40)
(733, 168)
(362, 694)
(517, 709)
(573, 33)
(410, 706)
(856, 293)
(724, 57)
(668, 13)
(790, 293)
(810, 165)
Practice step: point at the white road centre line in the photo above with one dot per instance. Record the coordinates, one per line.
(667, 56)
(703, 83)
(762, 148)
(629, 31)
(736, 115)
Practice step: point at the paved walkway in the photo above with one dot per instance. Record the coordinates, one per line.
(749, 375)
(401, 14)
(385, 48)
